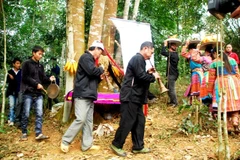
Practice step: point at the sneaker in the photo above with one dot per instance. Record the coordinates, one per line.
(11, 124)
(24, 137)
(64, 148)
(118, 151)
(144, 150)
(41, 137)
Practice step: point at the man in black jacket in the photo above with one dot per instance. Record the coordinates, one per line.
(33, 78)
(13, 80)
(84, 93)
(172, 70)
(133, 95)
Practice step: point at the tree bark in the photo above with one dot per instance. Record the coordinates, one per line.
(135, 9)
(78, 17)
(96, 24)
(126, 9)
(5, 65)
(70, 43)
(108, 34)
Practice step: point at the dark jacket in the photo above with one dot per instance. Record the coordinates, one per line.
(136, 81)
(13, 84)
(32, 75)
(172, 66)
(87, 77)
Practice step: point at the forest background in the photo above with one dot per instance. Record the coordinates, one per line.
(47, 23)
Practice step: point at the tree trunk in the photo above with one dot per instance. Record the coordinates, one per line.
(61, 65)
(75, 43)
(108, 34)
(5, 66)
(126, 9)
(78, 17)
(70, 43)
(96, 25)
(135, 9)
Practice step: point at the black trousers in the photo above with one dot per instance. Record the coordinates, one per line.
(172, 91)
(132, 119)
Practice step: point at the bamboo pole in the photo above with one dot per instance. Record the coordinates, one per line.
(225, 132)
(220, 138)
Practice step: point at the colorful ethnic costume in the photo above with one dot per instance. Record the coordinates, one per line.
(230, 84)
(196, 72)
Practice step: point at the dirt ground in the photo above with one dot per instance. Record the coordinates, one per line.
(161, 135)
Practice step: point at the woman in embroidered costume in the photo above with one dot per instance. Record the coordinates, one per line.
(206, 60)
(230, 81)
(193, 55)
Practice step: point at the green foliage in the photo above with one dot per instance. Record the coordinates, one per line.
(188, 126)
(34, 23)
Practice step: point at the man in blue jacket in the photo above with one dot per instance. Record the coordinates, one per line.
(133, 95)
(84, 93)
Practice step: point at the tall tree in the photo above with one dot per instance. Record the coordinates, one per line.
(96, 24)
(126, 9)
(135, 9)
(108, 34)
(78, 18)
(5, 66)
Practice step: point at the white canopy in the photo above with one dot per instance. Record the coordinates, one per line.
(132, 35)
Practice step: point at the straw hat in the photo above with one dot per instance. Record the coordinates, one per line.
(174, 39)
(195, 39)
(214, 44)
(210, 40)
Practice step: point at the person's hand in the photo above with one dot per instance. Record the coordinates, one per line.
(11, 76)
(39, 86)
(165, 43)
(198, 46)
(236, 13)
(151, 70)
(187, 43)
(156, 75)
(52, 78)
(102, 76)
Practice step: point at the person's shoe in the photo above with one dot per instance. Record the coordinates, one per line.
(64, 148)
(24, 137)
(93, 147)
(173, 105)
(41, 137)
(118, 151)
(11, 124)
(144, 150)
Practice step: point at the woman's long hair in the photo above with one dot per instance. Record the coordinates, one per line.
(226, 62)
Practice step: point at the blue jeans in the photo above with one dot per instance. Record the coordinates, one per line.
(12, 105)
(37, 103)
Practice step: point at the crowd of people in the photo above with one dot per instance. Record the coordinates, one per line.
(25, 91)
(214, 80)
(209, 76)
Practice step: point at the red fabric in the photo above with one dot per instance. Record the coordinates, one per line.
(145, 109)
(234, 56)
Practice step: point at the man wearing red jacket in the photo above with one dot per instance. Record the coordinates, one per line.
(232, 54)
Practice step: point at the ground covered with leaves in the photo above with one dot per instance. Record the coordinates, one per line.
(170, 135)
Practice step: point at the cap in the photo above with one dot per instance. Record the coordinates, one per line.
(97, 44)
